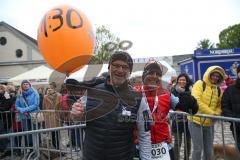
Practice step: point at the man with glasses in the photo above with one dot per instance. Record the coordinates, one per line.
(112, 112)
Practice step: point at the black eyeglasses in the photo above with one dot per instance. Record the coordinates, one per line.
(117, 66)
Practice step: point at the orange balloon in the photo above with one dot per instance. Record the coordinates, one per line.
(66, 39)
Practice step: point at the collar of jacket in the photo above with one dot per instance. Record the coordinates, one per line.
(27, 92)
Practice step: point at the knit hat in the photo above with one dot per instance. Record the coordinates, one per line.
(25, 81)
(123, 56)
(238, 69)
(151, 66)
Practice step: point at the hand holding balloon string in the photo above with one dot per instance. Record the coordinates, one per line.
(78, 108)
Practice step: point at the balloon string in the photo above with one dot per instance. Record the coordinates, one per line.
(67, 74)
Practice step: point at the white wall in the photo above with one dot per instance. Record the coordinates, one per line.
(8, 54)
(8, 51)
(36, 55)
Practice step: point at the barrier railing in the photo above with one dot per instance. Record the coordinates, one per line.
(64, 139)
(224, 139)
(31, 139)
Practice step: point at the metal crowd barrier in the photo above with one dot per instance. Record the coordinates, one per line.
(223, 138)
(41, 141)
(65, 139)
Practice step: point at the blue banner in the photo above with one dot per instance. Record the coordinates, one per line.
(188, 68)
(210, 52)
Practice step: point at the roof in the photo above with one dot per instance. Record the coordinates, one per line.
(14, 30)
(185, 60)
(179, 58)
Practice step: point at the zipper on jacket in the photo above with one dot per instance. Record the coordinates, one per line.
(211, 98)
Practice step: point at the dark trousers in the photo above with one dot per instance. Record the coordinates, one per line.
(237, 138)
(55, 139)
(75, 137)
(5, 126)
(178, 143)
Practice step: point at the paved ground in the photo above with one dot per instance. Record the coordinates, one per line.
(218, 136)
(73, 154)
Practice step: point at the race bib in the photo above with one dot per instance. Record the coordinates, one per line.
(126, 113)
(160, 151)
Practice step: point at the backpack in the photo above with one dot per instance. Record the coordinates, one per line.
(204, 87)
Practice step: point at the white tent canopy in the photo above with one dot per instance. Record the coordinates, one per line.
(37, 76)
(42, 75)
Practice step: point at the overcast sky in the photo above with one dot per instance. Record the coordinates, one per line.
(156, 27)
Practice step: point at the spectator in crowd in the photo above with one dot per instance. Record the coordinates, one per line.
(160, 101)
(5, 119)
(6, 102)
(75, 90)
(229, 81)
(223, 86)
(41, 95)
(12, 91)
(16, 124)
(16, 127)
(208, 95)
(109, 106)
(27, 101)
(63, 89)
(74, 93)
(52, 102)
(231, 106)
(180, 123)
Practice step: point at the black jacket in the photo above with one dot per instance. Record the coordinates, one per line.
(108, 136)
(179, 122)
(231, 101)
(5, 105)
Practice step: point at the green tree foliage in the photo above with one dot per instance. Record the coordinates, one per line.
(205, 44)
(101, 53)
(229, 37)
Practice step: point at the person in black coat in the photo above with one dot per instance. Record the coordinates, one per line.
(6, 102)
(231, 106)
(180, 124)
(41, 95)
(5, 119)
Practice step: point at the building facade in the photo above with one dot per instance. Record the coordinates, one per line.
(18, 52)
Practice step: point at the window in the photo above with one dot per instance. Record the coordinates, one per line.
(3, 41)
(19, 53)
